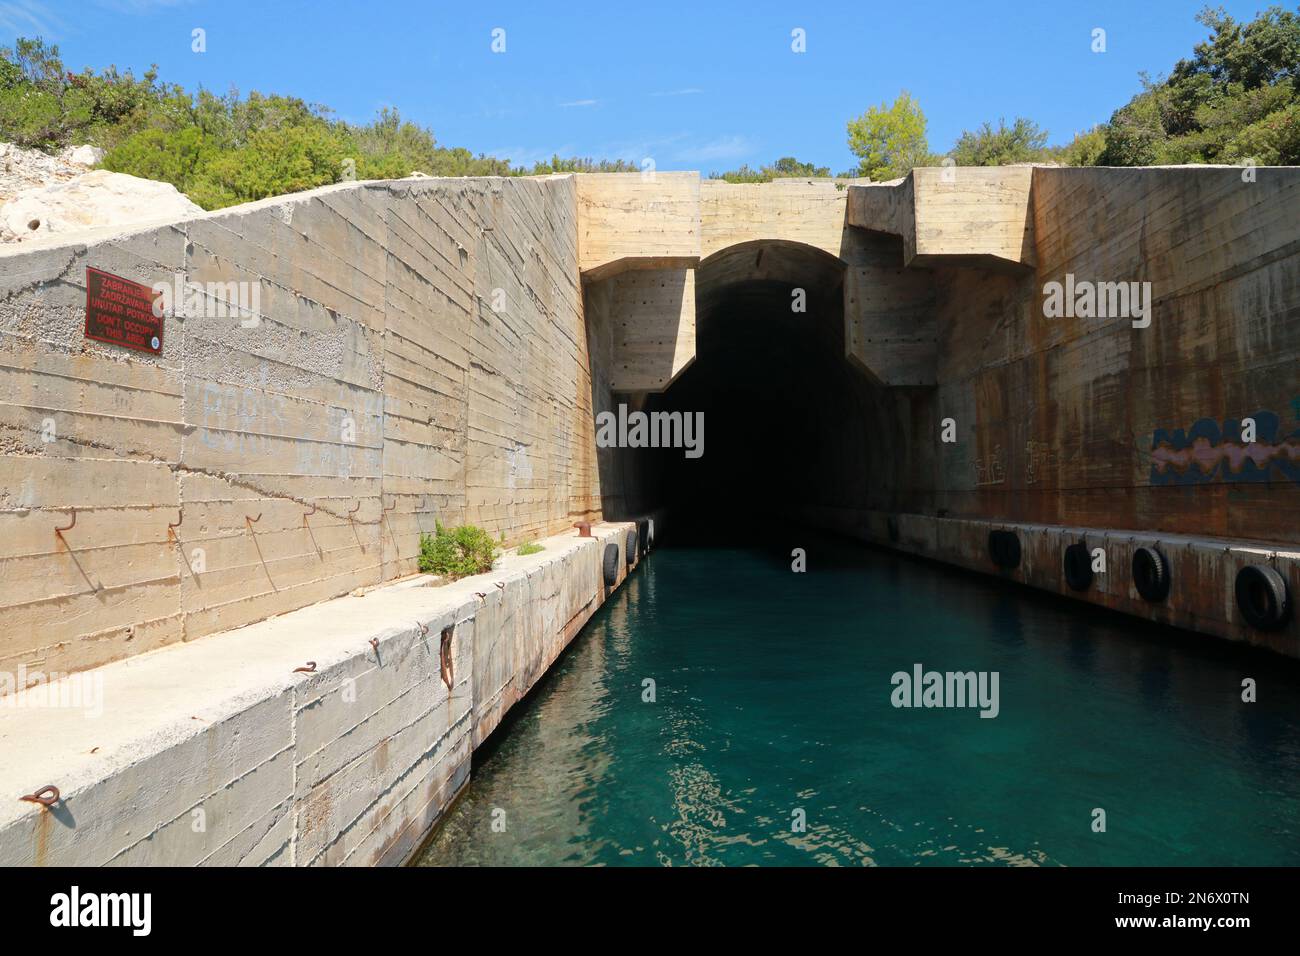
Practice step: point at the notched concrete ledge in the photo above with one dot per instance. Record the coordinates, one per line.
(1202, 569)
(219, 752)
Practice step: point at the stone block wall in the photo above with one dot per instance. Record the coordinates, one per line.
(419, 355)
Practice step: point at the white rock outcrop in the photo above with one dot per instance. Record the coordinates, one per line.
(82, 155)
(91, 200)
(22, 169)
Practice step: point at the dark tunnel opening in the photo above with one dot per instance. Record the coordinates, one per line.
(790, 425)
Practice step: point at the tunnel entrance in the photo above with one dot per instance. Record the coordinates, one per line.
(790, 425)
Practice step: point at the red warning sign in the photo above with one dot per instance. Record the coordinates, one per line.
(120, 312)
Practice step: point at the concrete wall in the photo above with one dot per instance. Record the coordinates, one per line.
(420, 355)
(1078, 421)
(1072, 428)
(468, 330)
(218, 753)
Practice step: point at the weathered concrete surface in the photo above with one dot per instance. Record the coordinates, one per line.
(1094, 422)
(970, 215)
(645, 220)
(649, 315)
(640, 252)
(420, 353)
(467, 331)
(803, 211)
(217, 753)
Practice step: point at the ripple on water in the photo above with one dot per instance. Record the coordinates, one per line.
(772, 701)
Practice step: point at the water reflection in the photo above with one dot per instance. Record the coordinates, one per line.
(772, 701)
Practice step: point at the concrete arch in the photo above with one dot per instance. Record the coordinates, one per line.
(765, 273)
(787, 418)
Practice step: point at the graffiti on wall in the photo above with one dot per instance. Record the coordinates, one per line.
(989, 469)
(1040, 461)
(1209, 451)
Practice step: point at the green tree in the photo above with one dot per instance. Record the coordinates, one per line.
(889, 140)
(1021, 142)
(1232, 100)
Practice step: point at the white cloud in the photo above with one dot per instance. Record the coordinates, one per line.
(573, 103)
(28, 18)
(140, 6)
(688, 91)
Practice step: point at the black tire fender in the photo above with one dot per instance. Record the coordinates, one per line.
(1077, 564)
(610, 564)
(1004, 548)
(1151, 574)
(631, 546)
(1262, 597)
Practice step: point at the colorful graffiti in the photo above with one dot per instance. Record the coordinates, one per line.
(1209, 452)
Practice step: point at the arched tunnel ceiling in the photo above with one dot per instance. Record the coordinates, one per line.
(757, 275)
(766, 260)
(767, 380)
(649, 318)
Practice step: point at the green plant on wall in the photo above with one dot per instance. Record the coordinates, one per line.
(458, 552)
(530, 547)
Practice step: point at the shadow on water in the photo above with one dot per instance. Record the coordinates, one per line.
(719, 699)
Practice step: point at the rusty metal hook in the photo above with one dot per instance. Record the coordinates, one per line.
(374, 642)
(354, 510)
(392, 506)
(47, 796)
(420, 506)
(309, 669)
(308, 514)
(252, 521)
(480, 595)
(71, 525)
(180, 519)
(500, 584)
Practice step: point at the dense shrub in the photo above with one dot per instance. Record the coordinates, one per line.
(458, 552)
(1021, 142)
(1235, 99)
(787, 167)
(221, 150)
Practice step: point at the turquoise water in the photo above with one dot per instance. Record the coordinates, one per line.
(773, 696)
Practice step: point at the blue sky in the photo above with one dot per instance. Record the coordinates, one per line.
(702, 85)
